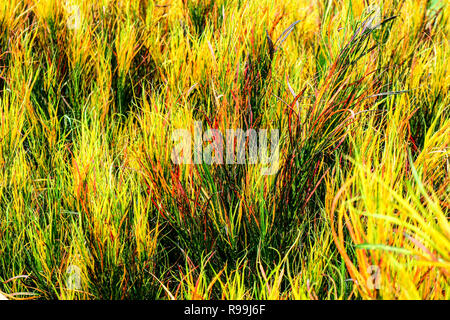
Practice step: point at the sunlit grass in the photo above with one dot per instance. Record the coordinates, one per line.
(92, 207)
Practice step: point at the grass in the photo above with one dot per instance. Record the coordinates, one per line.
(92, 207)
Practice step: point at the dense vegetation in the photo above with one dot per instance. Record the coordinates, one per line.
(92, 206)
